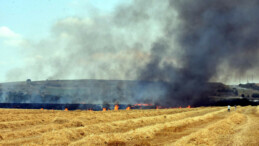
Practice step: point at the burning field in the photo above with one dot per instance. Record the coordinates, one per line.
(109, 75)
(176, 126)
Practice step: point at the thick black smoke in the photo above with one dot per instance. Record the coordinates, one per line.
(211, 35)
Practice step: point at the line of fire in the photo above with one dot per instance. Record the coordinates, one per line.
(112, 95)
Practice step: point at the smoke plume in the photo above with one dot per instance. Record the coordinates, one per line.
(183, 43)
(211, 35)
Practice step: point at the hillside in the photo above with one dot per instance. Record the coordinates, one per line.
(99, 92)
(81, 91)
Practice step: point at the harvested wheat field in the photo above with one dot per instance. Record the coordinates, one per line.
(194, 126)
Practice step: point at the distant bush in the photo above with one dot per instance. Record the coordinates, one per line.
(28, 82)
(255, 95)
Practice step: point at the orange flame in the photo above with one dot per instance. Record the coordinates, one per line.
(159, 107)
(104, 109)
(116, 107)
(66, 109)
(188, 106)
(41, 109)
(128, 108)
(180, 107)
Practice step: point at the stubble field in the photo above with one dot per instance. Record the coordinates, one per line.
(194, 126)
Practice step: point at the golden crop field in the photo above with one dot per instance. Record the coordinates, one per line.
(194, 126)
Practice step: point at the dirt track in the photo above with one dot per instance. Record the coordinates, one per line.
(195, 126)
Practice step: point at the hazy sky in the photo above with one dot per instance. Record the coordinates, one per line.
(21, 21)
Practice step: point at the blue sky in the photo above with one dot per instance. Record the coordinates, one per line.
(33, 19)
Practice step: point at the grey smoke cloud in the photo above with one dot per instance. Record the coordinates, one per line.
(111, 46)
(186, 43)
